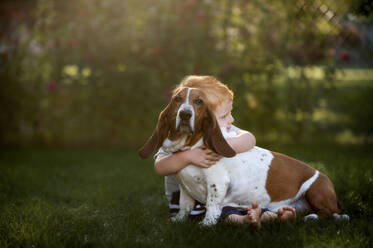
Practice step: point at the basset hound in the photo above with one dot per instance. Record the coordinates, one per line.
(272, 179)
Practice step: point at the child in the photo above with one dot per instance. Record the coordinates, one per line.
(220, 99)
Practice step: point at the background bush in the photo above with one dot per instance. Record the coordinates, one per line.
(98, 72)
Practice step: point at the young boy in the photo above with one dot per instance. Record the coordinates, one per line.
(220, 99)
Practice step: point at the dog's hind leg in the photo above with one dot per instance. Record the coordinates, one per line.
(186, 205)
(322, 198)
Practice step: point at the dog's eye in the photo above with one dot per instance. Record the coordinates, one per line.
(178, 99)
(198, 101)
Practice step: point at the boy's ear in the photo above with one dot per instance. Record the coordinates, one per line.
(213, 138)
(160, 133)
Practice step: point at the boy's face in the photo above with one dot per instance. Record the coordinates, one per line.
(223, 114)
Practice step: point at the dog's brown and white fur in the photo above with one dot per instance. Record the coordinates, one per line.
(272, 179)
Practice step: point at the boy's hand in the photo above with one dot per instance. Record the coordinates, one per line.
(203, 157)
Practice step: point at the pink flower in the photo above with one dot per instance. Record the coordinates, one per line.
(156, 51)
(331, 52)
(17, 15)
(196, 70)
(71, 42)
(344, 56)
(3, 55)
(90, 57)
(200, 17)
(189, 3)
(57, 43)
(51, 87)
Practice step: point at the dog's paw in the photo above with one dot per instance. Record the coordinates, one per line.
(178, 218)
(342, 217)
(208, 221)
(311, 217)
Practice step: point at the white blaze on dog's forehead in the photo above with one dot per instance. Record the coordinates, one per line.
(188, 94)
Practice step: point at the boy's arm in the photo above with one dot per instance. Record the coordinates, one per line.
(243, 142)
(200, 156)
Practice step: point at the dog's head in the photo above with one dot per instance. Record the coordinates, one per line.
(187, 114)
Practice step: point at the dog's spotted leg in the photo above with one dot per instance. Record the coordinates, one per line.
(215, 196)
(186, 205)
(216, 190)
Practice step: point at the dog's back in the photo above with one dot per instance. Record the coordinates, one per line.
(251, 176)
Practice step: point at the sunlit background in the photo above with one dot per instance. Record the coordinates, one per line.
(96, 73)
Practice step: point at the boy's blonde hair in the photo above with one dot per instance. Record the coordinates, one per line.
(216, 92)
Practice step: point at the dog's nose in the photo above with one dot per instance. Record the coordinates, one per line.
(185, 115)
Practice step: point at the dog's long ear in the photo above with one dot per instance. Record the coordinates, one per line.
(160, 133)
(213, 137)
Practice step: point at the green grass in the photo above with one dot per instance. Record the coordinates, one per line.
(98, 198)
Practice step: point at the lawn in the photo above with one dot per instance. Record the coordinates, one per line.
(111, 198)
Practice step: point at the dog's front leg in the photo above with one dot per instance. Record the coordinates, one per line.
(186, 205)
(216, 191)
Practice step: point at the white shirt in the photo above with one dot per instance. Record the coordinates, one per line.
(170, 183)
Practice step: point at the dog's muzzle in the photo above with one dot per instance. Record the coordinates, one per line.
(185, 115)
(184, 123)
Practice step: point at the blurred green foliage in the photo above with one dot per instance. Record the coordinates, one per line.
(97, 73)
